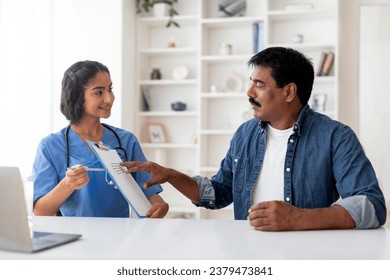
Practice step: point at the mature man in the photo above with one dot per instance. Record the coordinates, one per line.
(289, 168)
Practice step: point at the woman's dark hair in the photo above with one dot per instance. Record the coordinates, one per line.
(74, 82)
(288, 66)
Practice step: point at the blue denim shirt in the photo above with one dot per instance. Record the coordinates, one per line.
(325, 164)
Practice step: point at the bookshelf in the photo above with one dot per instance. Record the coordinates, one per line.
(214, 90)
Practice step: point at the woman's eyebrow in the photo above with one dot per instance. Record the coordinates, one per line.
(101, 87)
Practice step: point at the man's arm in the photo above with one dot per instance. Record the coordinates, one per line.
(280, 216)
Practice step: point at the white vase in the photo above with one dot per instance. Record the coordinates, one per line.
(160, 9)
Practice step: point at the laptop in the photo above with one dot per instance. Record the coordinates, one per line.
(15, 234)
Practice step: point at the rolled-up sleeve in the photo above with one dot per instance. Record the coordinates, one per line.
(361, 210)
(206, 192)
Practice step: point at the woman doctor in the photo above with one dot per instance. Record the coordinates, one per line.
(61, 182)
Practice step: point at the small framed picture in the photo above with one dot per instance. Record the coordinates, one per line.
(156, 133)
(319, 102)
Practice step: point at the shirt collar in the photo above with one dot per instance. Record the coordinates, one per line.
(297, 125)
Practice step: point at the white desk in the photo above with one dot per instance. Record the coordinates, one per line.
(107, 238)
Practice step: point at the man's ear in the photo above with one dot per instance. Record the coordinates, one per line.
(291, 92)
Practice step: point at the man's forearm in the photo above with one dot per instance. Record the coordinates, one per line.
(184, 184)
(334, 217)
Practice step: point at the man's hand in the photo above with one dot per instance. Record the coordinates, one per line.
(159, 174)
(182, 182)
(281, 216)
(274, 216)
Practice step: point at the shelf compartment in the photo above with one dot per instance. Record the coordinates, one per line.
(177, 158)
(168, 51)
(161, 96)
(223, 95)
(229, 22)
(319, 31)
(168, 82)
(228, 132)
(214, 148)
(162, 21)
(226, 58)
(182, 132)
(168, 114)
(291, 15)
(216, 118)
(147, 145)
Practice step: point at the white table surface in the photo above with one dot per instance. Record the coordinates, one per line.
(142, 239)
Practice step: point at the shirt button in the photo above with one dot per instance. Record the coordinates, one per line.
(287, 199)
(235, 160)
(291, 140)
(288, 169)
(210, 203)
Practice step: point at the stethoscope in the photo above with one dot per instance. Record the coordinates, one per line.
(120, 147)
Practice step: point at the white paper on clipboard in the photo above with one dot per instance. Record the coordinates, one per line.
(122, 180)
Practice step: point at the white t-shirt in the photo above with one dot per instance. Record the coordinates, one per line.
(271, 181)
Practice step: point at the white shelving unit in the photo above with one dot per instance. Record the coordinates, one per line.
(215, 88)
(319, 28)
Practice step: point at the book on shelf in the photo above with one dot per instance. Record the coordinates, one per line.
(147, 104)
(328, 64)
(325, 64)
(258, 36)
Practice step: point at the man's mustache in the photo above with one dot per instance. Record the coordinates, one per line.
(253, 102)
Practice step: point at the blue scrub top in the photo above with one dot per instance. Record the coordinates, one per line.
(97, 198)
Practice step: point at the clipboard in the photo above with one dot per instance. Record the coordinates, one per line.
(122, 180)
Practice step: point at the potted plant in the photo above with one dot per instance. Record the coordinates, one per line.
(147, 5)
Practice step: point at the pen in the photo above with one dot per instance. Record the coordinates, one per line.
(87, 168)
(93, 169)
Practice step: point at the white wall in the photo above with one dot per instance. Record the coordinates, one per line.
(39, 40)
(24, 79)
(86, 30)
(374, 97)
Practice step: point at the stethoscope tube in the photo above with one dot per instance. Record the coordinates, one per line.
(106, 126)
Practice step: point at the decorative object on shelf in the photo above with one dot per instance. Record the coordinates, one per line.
(156, 133)
(156, 74)
(172, 41)
(178, 106)
(160, 9)
(180, 72)
(325, 64)
(319, 102)
(147, 5)
(147, 104)
(225, 49)
(233, 83)
(214, 89)
(258, 36)
(231, 8)
(298, 39)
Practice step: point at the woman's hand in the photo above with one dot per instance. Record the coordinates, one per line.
(159, 207)
(76, 177)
